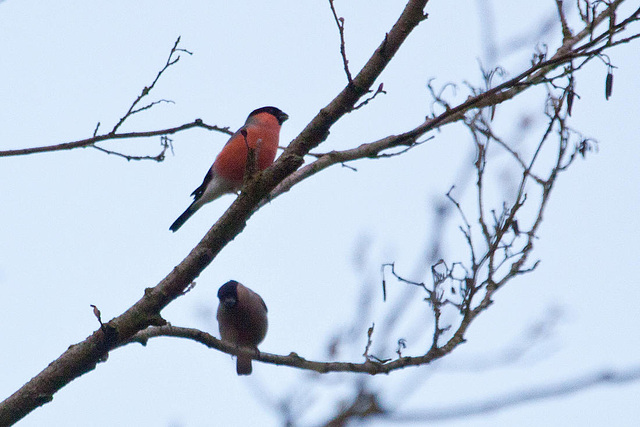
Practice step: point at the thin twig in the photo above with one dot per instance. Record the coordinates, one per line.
(145, 91)
(165, 142)
(343, 51)
(372, 97)
(198, 123)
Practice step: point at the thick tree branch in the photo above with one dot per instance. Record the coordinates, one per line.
(84, 356)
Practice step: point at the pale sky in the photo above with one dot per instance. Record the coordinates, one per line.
(81, 227)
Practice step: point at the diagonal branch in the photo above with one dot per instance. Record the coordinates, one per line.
(83, 357)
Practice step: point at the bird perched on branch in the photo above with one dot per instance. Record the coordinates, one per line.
(261, 132)
(242, 320)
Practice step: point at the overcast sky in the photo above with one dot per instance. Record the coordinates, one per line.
(82, 227)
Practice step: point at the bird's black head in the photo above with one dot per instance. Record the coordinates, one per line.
(275, 112)
(228, 293)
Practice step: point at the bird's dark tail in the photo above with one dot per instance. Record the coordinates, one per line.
(182, 218)
(243, 365)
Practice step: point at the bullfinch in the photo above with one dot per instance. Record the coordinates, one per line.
(261, 132)
(242, 319)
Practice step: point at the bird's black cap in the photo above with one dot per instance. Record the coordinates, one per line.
(275, 112)
(228, 291)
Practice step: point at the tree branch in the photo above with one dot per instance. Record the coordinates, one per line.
(84, 356)
(82, 143)
(171, 60)
(518, 397)
(369, 366)
(533, 76)
(343, 51)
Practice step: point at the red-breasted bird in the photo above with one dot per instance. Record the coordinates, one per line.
(261, 132)
(242, 319)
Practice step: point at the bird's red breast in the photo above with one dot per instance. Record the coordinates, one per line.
(262, 134)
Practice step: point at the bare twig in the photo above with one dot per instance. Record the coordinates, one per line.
(251, 165)
(372, 97)
(165, 143)
(343, 50)
(171, 60)
(198, 123)
(369, 341)
(566, 32)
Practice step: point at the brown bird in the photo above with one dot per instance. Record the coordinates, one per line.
(242, 319)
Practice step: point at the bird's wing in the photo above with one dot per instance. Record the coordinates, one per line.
(197, 193)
